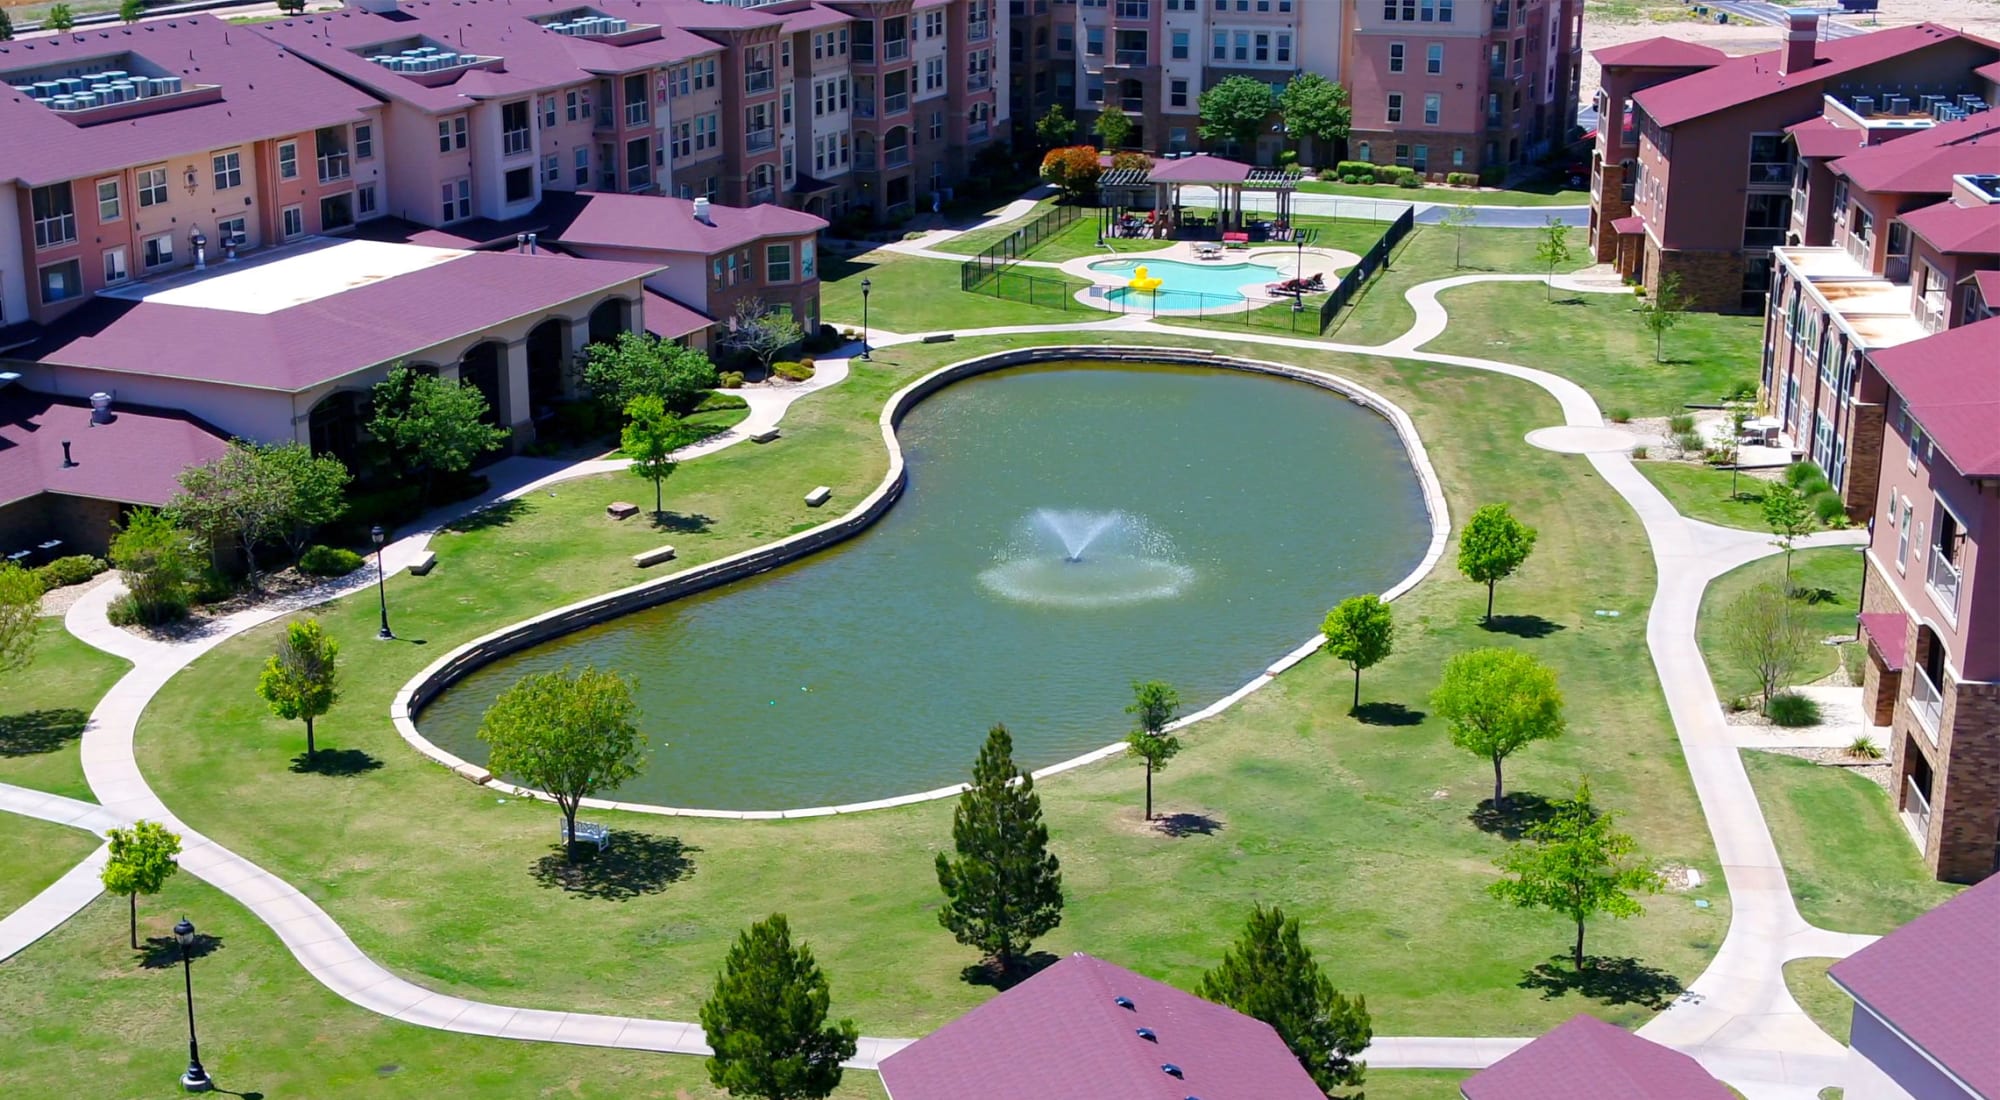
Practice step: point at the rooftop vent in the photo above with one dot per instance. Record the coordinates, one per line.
(1170, 1069)
(1122, 1002)
(100, 408)
(1146, 1033)
(701, 215)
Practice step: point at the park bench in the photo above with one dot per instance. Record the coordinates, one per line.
(653, 557)
(586, 833)
(425, 562)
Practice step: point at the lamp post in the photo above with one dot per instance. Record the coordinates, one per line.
(196, 1078)
(379, 536)
(865, 286)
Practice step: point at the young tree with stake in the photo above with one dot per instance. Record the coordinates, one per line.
(1576, 864)
(1153, 704)
(1493, 545)
(1763, 630)
(1497, 701)
(142, 860)
(1788, 514)
(651, 436)
(1552, 248)
(1665, 309)
(1004, 889)
(567, 733)
(1456, 218)
(766, 1020)
(300, 681)
(1361, 632)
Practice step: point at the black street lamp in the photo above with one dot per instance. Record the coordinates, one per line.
(865, 286)
(380, 536)
(196, 1078)
(1299, 271)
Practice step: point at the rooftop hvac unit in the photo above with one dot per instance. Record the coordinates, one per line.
(1864, 105)
(1899, 105)
(113, 76)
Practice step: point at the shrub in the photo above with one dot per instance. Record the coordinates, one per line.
(159, 568)
(1680, 423)
(1741, 391)
(1462, 179)
(1411, 180)
(1361, 168)
(1492, 177)
(1801, 474)
(792, 372)
(1864, 747)
(1792, 710)
(74, 569)
(1689, 442)
(328, 561)
(1830, 509)
(1621, 416)
(730, 379)
(1737, 704)
(1718, 454)
(1640, 450)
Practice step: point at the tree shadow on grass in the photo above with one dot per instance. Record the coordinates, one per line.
(987, 973)
(1524, 811)
(500, 513)
(1521, 626)
(680, 523)
(633, 864)
(161, 952)
(1608, 980)
(34, 732)
(1180, 825)
(1387, 714)
(336, 762)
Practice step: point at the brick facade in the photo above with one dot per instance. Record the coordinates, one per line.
(1711, 281)
(1864, 459)
(1611, 206)
(1880, 685)
(1965, 808)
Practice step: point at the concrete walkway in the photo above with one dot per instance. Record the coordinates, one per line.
(63, 898)
(1737, 1017)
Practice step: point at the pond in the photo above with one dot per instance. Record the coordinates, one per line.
(1065, 531)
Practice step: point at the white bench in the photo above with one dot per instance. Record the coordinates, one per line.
(818, 496)
(425, 562)
(586, 833)
(653, 557)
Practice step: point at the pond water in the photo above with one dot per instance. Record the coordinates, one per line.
(1066, 530)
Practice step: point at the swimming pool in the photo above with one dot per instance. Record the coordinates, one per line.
(1187, 286)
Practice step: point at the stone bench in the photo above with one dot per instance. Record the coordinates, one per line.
(474, 774)
(768, 435)
(818, 496)
(425, 562)
(653, 557)
(620, 509)
(940, 338)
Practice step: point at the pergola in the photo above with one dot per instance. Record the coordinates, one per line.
(1230, 179)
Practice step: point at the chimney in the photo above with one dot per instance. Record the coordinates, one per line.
(67, 460)
(1800, 41)
(533, 244)
(701, 211)
(521, 243)
(100, 408)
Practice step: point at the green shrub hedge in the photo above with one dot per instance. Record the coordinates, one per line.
(74, 569)
(328, 561)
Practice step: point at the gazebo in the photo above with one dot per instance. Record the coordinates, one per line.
(1230, 178)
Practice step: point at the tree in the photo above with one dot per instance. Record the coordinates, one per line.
(1789, 515)
(6, 26)
(1665, 309)
(1576, 864)
(142, 860)
(1456, 218)
(20, 603)
(1492, 546)
(638, 364)
(1362, 632)
(1056, 128)
(766, 1020)
(1005, 887)
(1154, 704)
(1762, 629)
(131, 11)
(292, 7)
(60, 19)
(1113, 126)
(1496, 701)
(1315, 107)
(315, 490)
(1234, 110)
(651, 436)
(431, 426)
(300, 681)
(569, 734)
(239, 498)
(154, 559)
(1270, 975)
(762, 331)
(1552, 248)
(1739, 415)
(1073, 169)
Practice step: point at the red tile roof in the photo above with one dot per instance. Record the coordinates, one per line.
(1988, 283)
(666, 224)
(294, 349)
(1949, 227)
(670, 320)
(1934, 981)
(1588, 1059)
(1750, 77)
(1925, 161)
(1890, 632)
(813, 16)
(134, 459)
(1659, 53)
(1200, 168)
(266, 93)
(1063, 1035)
(1819, 137)
(1951, 383)
(1630, 223)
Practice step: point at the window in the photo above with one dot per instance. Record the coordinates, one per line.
(1363, 152)
(519, 184)
(933, 73)
(457, 199)
(1093, 41)
(337, 211)
(548, 112)
(1458, 158)
(115, 270)
(364, 142)
(292, 221)
(61, 282)
(1180, 45)
(571, 105)
(228, 169)
(1395, 106)
(551, 168)
(1434, 58)
(232, 231)
(110, 207)
(1444, 11)
(1065, 39)
(778, 263)
(1177, 93)
(451, 133)
(933, 24)
(152, 186)
(1263, 52)
(1902, 532)
(1284, 47)
(55, 215)
(159, 251)
(937, 123)
(1770, 160)
(1395, 57)
(514, 135)
(1433, 105)
(1221, 46)
(364, 199)
(582, 177)
(1420, 158)
(1242, 45)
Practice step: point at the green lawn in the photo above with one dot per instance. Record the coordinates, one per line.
(1540, 194)
(914, 294)
(1851, 863)
(1600, 342)
(45, 706)
(1380, 314)
(1831, 1009)
(1369, 833)
(87, 1017)
(38, 853)
(1414, 1084)
(1835, 569)
(1078, 238)
(972, 241)
(1703, 493)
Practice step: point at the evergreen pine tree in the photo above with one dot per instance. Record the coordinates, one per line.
(767, 1020)
(1270, 975)
(1005, 887)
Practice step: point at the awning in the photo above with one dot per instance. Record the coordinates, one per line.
(1888, 630)
(1628, 225)
(670, 320)
(810, 185)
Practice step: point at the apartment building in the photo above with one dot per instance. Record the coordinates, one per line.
(1930, 599)
(1462, 85)
(1903, 226)
(1702, 186)
(143, 150)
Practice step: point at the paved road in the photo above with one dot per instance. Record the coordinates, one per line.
(1388, 210)
(1757, 11)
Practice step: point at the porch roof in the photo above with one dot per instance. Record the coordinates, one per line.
(1889, 630)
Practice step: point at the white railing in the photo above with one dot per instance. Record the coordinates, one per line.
(864, 160)
(757, 80)
(514, 142)
(864, 107)
(638, 112)
(762, 194)
(896, 104)
(896, 156)
(333, 166)
(895, 49)
(1925, 702)
(50, 232)
(979, 81)
(1917, 807)
(1943, 578)
(978, 131)
(759, 140)
(978, 30)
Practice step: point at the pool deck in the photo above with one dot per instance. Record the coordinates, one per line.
(1285, 258)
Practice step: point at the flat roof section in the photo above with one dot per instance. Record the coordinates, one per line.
(293, 277)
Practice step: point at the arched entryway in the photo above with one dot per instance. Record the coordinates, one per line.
(483, 368)
(548, 352)
(335, 426)
(608, 320)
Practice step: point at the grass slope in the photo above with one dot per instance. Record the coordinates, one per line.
(1831, 1009)
(1834, 569)
(38, 853)
(43, 709)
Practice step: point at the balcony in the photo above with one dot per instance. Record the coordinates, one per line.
(762, 195)
(896, 157)
(1132, 104)
(864, 106)
(513, 143)
(896, 103)
(1943, 578)
(979, 30)
(605, 118)
(757, 80)
(1132, 59)
(52, 231)
(1925, 702)
(979, 81)
(759, 140)
(1916, 809)
(864, 160)
(895, 49)
(639, 178)
(978, 132)
(334, 166)
(862, 53)
(1134, 9)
